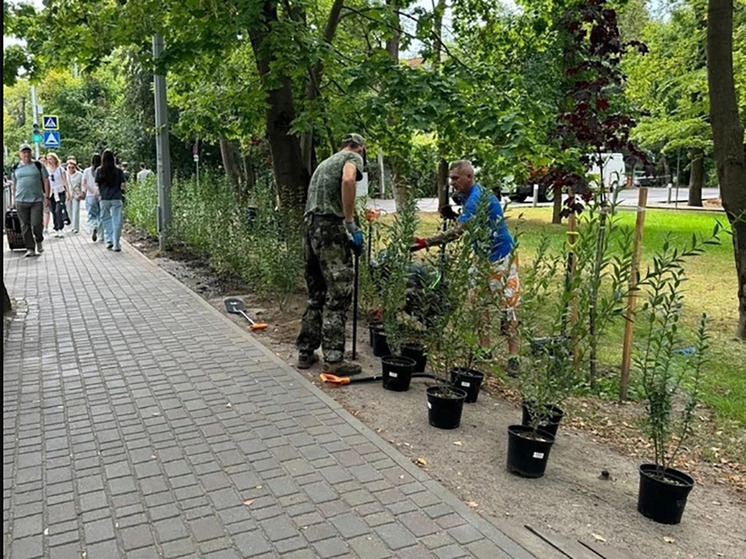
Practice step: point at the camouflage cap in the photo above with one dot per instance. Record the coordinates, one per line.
(357, 138)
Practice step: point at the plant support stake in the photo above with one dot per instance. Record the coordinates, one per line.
(629, 325)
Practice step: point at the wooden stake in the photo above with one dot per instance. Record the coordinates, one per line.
(629, 325)
(572, 238)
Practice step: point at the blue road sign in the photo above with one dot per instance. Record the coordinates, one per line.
(51, 139)
(50, 122)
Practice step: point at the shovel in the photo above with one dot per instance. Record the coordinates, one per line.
(234, 305)
(334, 380)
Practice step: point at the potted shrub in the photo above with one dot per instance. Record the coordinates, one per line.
(669, 380)
(393, 276)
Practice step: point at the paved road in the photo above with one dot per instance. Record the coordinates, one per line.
(657, 197)
(138, 422)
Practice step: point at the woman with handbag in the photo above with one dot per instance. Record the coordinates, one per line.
(74, 182)
(59, 193)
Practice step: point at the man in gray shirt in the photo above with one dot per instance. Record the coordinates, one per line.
(30, 195)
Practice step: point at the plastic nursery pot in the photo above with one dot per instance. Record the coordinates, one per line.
(417, 352)
(663, 498)
(380, 343)
(374, 325)
(397, 372)
(444, 406)
(469, 380)
(553, 420)
(528, 450)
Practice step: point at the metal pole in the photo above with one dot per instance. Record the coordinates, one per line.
(163, 155)
(354, 308)
(536, 195)
(382, 182)
(35, 112)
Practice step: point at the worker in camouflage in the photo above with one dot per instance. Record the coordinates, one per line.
(331, 236)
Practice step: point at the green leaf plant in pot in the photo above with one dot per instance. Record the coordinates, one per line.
(476, 309)
(549, 373)
(393, 276)
(669, 377)
(460, 321)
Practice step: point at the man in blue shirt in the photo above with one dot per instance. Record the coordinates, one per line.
(504, 280)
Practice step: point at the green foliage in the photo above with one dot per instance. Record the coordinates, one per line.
(142, 201)
(393, 275)
(670, 376)
(255, 245)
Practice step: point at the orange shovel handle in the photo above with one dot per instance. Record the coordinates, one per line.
(334, 379)
(257, 327)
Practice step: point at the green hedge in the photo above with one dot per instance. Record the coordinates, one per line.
(248, 243)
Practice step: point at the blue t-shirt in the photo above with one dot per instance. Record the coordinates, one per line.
(500, 239)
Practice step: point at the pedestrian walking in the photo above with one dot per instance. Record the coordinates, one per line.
(47, 207)
(74, 182)
(504, 282)
(60, 192)
(330, 237)
(111, 184)
(30, 195)
(92, 198)
(144, 173)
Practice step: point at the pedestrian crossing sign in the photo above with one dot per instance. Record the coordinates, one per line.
(50, 122)
(51, 139)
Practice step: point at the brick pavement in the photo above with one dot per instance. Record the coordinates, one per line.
(138, 422)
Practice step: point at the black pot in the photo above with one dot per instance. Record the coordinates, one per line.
(416, 352)
(663, 500)
(397, 372)
(444, 406)
(469, 380)
(551, 425)
(374, 325)
(528, 457)
(380, 345)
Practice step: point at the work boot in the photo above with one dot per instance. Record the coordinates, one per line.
(513, 367)
(342, 368)
(305, 359)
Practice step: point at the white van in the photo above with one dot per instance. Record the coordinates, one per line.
(615, 173)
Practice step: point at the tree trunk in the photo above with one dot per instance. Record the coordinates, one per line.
(438, 49)
(229, 153)
(313, 90)
(401, 191)
(697, 178)
(291, 174)
(666, 170)
(443, 183)
(557, 207)
(728, 136)
(7, 306)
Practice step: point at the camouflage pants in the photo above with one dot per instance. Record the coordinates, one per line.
(329, 277)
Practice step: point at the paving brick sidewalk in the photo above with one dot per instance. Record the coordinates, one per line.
(138, 422)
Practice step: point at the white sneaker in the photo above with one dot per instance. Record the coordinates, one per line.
(30, 253)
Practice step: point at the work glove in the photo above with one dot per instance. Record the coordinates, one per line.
(418, 244)
(446, 212)
(356, 237)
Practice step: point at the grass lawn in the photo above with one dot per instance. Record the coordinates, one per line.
(711, 288)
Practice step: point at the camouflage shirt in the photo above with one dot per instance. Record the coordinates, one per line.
(325, 191)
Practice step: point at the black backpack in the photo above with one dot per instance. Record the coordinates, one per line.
(38, 168)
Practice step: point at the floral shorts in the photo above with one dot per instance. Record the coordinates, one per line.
(505, 285)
